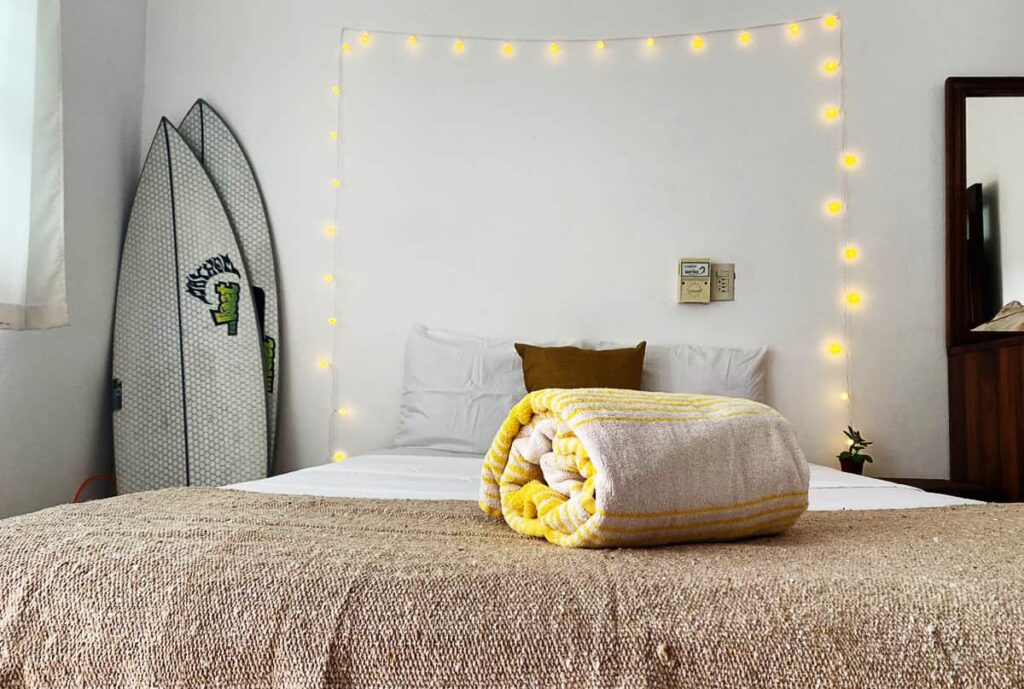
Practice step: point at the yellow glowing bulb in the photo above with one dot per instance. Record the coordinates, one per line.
(851, 253)
(339, 456)
(335, 182)
(459, 46)
(844, 396)
(849, 442)
(323, 363)
(507, 50)
(330, 230)
(831, 21)
(334, 134)
(835, 348)
(555, 48)
(852, 298)
(834, 207)
(851, 160)
(328, 278)
(343, 411)
(412, 40)
(601, 45)
(831, 113)
(332, 321)
(336, 90)
(745, 38)
(365, 38)
(698, 43)
(346, 48)
(650, 42)
(830, 66)
(794, 29)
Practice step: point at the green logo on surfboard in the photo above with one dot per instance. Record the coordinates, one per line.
(226, 312)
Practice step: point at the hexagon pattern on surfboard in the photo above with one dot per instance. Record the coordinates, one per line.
(190, 407)
(229, 169)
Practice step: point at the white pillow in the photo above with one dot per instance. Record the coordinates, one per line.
(706, 370)
(457, 391)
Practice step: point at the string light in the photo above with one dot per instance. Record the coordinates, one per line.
(830, 113)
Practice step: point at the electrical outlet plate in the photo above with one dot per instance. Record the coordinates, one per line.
(723, 281)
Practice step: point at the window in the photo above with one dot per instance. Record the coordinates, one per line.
(32, 291)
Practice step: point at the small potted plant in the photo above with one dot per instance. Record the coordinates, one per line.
(852, 459)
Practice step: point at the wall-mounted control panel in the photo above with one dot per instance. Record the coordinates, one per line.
(701, 281)
(694, 280)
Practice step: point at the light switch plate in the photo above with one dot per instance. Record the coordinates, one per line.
(694, 280)
(723, 281)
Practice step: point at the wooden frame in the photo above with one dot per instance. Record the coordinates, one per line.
(958, 90)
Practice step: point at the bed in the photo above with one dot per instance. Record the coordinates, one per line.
(381, 571)
(427, 474)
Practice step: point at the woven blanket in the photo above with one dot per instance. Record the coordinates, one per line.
(599, 468)
(215, 588)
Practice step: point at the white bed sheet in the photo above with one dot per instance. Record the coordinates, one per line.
(422, 474)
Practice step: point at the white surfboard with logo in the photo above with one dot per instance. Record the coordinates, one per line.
(229, 169)
(188, 392)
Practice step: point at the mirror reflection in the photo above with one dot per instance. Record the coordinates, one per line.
(995, 212)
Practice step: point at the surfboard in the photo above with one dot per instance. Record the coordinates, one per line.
(228, 167)
(188, 395)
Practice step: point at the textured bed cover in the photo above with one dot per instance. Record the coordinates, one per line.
(420, 474)
(202, 587)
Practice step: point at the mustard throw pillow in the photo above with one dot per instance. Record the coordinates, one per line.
(572, 367)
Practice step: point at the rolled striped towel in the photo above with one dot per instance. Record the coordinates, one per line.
(598, 468)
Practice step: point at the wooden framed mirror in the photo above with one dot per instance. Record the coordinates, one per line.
(985, 282)
(985, 209)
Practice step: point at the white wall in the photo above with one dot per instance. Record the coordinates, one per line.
(995, 158)
(266, 64)
(54, 409)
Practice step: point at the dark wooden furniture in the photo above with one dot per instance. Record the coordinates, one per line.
(986, 369)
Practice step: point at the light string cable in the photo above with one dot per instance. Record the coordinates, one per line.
(849, 252)
(334, 452)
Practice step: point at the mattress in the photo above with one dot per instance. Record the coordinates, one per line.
(423, 474)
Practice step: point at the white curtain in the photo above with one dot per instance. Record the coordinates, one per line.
(32, 291)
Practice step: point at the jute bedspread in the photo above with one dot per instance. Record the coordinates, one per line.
(216, 588)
